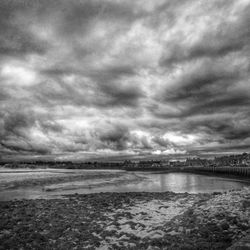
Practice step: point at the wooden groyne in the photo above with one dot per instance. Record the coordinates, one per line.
(239, 171)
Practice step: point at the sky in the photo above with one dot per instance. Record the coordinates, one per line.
(113, 79)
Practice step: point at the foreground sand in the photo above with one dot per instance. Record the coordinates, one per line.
(127, 221)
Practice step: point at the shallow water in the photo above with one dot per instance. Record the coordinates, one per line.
(175, 182)
(186, 182)
(129, 182)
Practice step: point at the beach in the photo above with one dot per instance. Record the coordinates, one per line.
(58, 217)
(127, 221)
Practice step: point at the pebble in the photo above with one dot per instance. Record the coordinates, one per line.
(57, 224)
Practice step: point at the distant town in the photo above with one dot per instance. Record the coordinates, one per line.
(239, 160)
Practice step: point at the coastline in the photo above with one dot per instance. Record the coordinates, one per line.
(127, 221)
(54, 177)
(66, 175)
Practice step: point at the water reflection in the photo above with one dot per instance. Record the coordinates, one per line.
(192, 183)
(176, 182)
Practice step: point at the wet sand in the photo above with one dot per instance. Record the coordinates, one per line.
(52, 183)
(10, 178)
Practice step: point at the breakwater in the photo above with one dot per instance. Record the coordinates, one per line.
(238, 171)
(243, 172)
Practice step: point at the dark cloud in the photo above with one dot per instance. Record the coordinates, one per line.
(227, 128)
(17, 147)
(17, 19)
(51, 126)
(102, 88)
(14, 39)
(225, 102)
(201, 84)
(77, 15)
(119, 95)
(3, 96)
(16, 132)
(220, 40)
(81, 94)
(209, 87)
(115, 137)
(17, 123)
(100, 78)
(162, 142)
(113, 73)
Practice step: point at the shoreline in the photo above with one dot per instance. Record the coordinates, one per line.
(139, 220)
(51, 186)
(57, 177)
(119, 170)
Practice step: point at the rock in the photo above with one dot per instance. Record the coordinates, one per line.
(246, 204)
(153, 248)
(173, 233)
(224, 225)
(217, 193)
(5, 232)
(132, 245)
(123, 237)
(186, 247)
(243, 226)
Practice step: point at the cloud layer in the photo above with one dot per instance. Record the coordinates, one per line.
(101, 78)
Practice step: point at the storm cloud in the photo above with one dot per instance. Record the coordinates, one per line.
(100, 78)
